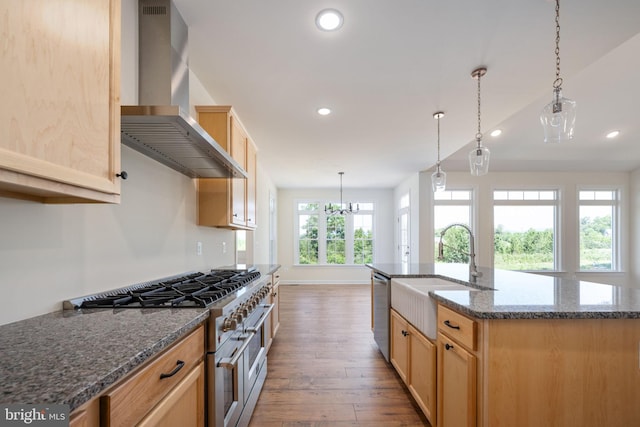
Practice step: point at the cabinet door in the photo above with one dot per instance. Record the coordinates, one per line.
(251, 184)
(183, 406)
(238, 186)
(60, 112)
(275, 300)
(456, 385)
(422, 368)
(399, 345)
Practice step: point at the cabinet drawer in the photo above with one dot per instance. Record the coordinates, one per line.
(457, 326)
(133, 398)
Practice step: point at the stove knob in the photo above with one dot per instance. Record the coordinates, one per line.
(245, 309)
(229, 325)
(238, 316)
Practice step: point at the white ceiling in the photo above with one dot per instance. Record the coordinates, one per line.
(394, 63)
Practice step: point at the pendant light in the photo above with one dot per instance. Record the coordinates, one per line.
(341, 209)
(479, 156)
(558, 118)
(438, 178)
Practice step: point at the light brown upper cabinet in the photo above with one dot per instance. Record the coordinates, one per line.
(60, 110)
(228, 202)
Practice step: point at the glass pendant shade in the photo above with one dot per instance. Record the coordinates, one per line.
(439, 180)
(479, 160)
(558, 118)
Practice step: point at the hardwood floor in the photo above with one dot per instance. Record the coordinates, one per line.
(325, 370)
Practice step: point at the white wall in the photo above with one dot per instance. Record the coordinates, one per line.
(567, 182)
(260, 238)
(634, 228)
(49, 253)
(383, 235)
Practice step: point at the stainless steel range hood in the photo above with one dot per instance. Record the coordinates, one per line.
(160, 127)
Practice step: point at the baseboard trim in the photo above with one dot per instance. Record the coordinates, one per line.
(325, 282)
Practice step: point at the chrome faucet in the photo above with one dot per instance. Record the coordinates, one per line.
(473, 269)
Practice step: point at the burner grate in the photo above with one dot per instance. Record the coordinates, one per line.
(189, 290)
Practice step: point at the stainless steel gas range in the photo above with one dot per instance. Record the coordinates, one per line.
(236, 359)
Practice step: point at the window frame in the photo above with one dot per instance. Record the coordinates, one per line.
(616, 218)
(470, 202)
(322, 232)
(557, 218)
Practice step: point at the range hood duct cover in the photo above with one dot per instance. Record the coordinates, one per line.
(161, 127)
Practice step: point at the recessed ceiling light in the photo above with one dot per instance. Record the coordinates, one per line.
(496, 132)
(329, 20)
(613, 134)
(324, 111)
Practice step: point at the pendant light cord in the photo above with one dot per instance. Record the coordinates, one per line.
(438, 164)
(479, 134)
(558, 81)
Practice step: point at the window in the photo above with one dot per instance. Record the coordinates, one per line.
(454, 206)
(598, 231)
(307, 236)
(525, 229)
(323, 239)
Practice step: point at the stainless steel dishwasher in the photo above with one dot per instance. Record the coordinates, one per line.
(381, 307)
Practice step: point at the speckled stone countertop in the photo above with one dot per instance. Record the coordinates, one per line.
(502, 294)
(70, 356)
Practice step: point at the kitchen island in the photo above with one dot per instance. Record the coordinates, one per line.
(528, 350)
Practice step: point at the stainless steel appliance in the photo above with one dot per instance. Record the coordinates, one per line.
(236, 359)
(381, 307)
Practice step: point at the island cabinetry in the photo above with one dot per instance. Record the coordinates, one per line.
(168, 391)
(457, 368)
(414, 357)
(528, 372)
(228, 202)
(60, 112)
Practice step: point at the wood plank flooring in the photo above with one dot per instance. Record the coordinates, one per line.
(325, 370)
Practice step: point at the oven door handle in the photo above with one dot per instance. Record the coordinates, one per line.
(255, 328)
(230, 363)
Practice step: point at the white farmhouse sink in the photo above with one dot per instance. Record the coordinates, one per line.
(410, 297)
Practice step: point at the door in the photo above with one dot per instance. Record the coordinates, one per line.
(404, 236)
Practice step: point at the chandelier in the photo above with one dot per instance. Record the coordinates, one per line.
(438, 178)
(558, 118)
(479, 156)
(342, 208)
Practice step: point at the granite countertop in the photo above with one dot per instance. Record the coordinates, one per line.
(70, 356)
(502, 294)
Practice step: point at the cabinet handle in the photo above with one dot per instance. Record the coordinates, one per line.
(123, 175)
(448, 346)
(405, 333)
(235, 215)
(446, 322)
(179, 365)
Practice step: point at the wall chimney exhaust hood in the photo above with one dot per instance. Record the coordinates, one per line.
(161, 127)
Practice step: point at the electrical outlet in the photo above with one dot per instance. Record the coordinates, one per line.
(198, 248)
(224, 247)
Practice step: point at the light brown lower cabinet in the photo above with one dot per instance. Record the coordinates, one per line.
(537, 372)
(414, 357)
(167, 391)
(274, 317)
(456, 384)
(183, 406)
